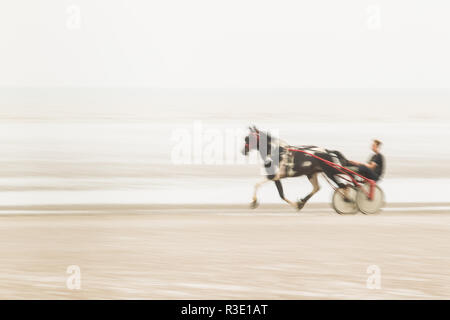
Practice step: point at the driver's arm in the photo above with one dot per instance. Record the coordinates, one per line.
(355, 163)
(371, 165)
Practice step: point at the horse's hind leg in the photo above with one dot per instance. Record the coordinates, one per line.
(316, 187)
(281, 193)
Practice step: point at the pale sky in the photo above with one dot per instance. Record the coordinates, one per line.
(226, 44)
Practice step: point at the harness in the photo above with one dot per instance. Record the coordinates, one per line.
(345, 173)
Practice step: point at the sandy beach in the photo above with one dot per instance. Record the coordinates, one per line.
(224, 252)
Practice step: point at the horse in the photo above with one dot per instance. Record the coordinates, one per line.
(282, 161)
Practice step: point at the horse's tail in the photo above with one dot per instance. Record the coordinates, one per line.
(342, 159)
(330, 171)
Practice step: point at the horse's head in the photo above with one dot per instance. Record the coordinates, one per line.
(256, 140)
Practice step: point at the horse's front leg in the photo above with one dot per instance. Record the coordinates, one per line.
(254, 202)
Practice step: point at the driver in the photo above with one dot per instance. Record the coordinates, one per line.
(374, 168)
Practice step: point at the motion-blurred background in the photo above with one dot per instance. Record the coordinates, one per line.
(115, 146)
(92, 92)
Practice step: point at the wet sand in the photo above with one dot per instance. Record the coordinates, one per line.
(224, 252)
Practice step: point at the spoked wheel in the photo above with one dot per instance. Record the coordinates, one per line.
(366, 205)
(345, 204)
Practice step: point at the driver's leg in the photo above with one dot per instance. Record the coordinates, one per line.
(366, 172)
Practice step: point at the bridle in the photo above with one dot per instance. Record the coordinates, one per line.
(257, 139)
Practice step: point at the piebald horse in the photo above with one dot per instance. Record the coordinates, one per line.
(282, 161)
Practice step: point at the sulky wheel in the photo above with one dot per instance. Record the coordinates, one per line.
(366, 205)
(345, 204)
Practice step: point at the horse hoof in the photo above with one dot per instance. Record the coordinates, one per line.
(254, 204)
(300, 205)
